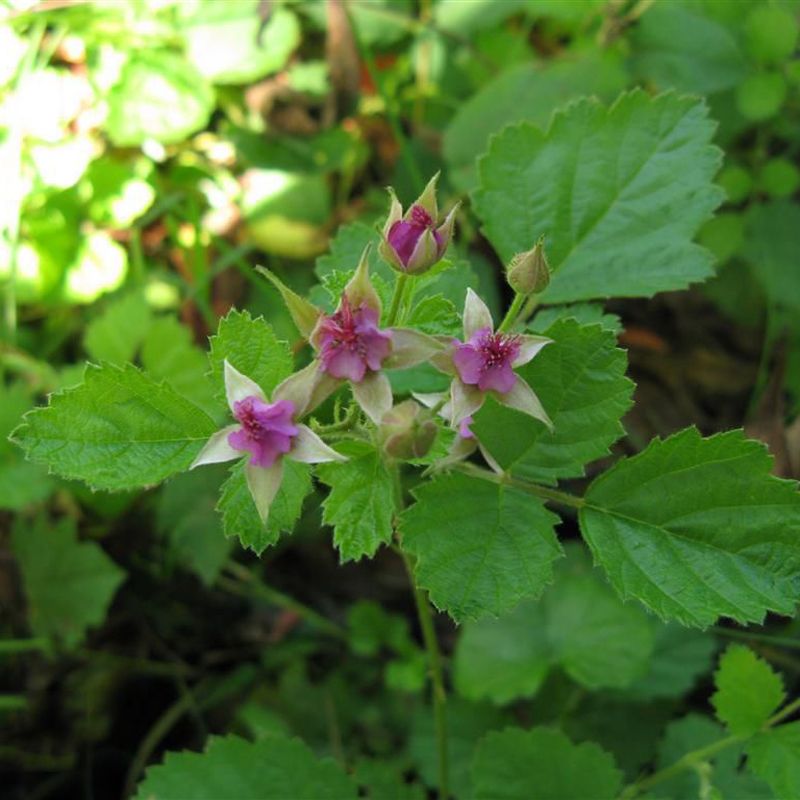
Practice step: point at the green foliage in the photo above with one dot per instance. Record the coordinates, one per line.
(361, 502)
(748, 691)
(579, 624)
(468, 723)
(774, 756)
(722, 773)
(187, 520)
(722, 546)
(158, 96)
(580, 380)
(541, 763)
(480, 547)
(680, 656)
(274, 768)
(251, 346)
(683, 45)
(524, 93)
(225, 43)
(21, 482)
(68, 584)
(239, 515)
(116, 334)
(771, 249)
(592, 184)
(117, 430)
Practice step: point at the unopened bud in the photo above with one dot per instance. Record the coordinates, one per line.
(407, 431)
(529, 272)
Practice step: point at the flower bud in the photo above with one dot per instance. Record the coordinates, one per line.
(407, 431)
(413, 242)
(529, 272)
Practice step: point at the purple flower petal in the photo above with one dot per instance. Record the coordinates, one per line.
(469, 362)
(350, 342)
(267, 429)
(499, 378)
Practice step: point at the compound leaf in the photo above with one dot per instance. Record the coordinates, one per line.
(774, 756)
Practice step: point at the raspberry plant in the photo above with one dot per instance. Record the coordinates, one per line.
(444, 434)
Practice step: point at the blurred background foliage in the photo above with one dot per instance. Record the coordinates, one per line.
(151, 153)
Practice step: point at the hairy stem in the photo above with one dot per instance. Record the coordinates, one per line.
(438, 693)
(513, 312)
(545, 492)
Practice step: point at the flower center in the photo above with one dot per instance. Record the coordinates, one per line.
(497, 349)
(267, 429)
(341, 327)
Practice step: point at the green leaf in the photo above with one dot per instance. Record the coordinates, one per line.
(21, 483)
(239, 515)
(384, 780)
(193, 531)
(681, 45)
(528, 93)
(273, 768)
(725, 543)
(159, 95)
(226, 42)
(583, 313)
(542, 763)
(579, 624)
(251, 346)
(68, 584)
(117, 333)
(594, 183)
(748, 691)
(169, 353)
(774, 757)
(467, 723)
(580, 380)
(771, 249)
(346, 249)
(434, 315)
(681, 655)
(117, 430)
(480, 546)
(360, 505)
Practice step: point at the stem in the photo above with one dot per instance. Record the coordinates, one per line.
(765, 638)
(397, 297)
(438, 693)
(696, 757)
(277, 598)
(512, 313)
(546, 493)
(688, 761)
(11, 646)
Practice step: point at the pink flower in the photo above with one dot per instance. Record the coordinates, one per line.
(484, 364)
(414, 242)
(350, 342)
(268, 431)
(486, 360)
